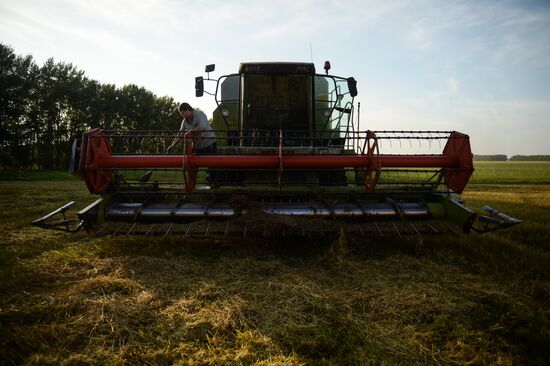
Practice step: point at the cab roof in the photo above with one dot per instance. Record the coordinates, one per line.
(277, 68)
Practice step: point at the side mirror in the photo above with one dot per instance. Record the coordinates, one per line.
(199, 86)
(209, 68)
(327, 67)
(352, 86)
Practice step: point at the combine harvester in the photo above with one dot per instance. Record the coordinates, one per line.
(290, 160)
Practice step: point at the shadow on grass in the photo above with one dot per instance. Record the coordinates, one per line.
(332, 300)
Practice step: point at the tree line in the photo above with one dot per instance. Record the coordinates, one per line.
(498, 157)
(501, 157)
(530, 158)
(43, 108)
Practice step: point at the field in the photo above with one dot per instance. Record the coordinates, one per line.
(468, 299)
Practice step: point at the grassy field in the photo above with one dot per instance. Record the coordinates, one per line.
(511, 172)
(475, 299)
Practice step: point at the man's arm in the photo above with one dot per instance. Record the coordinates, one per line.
(178, 138)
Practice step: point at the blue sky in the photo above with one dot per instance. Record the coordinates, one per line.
(479, 67)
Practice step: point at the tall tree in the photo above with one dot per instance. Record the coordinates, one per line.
(42, 108)
(14, 96)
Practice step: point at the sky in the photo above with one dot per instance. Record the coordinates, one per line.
(478, 67)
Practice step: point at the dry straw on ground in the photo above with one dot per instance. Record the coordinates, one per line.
(343, 299)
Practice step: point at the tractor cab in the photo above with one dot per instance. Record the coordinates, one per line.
(265, 99)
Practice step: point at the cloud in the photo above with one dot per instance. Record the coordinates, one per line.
(419, 35)
(66, 24)
(506, 32)
(452, 84)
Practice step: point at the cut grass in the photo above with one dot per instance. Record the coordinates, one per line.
(476, 299)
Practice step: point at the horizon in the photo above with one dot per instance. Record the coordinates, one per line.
(478, 68)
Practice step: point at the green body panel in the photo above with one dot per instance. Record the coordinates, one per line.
(455, 211)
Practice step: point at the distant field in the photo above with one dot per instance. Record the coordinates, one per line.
(511, 172)
(338, 300)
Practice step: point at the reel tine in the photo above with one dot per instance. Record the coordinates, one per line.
(169, 230)
(454, 231)
(226, 229)
(104, 228)
(207, 229)
(150, 228)
(433, 228)
(114, 234)
(378, 229)
(132, 228)
(414, 228)
(396, 229)
(188, 229)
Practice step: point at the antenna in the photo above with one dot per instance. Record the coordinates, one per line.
(359, 116)
(310, 51)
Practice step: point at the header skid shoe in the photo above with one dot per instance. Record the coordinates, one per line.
(64, 224)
